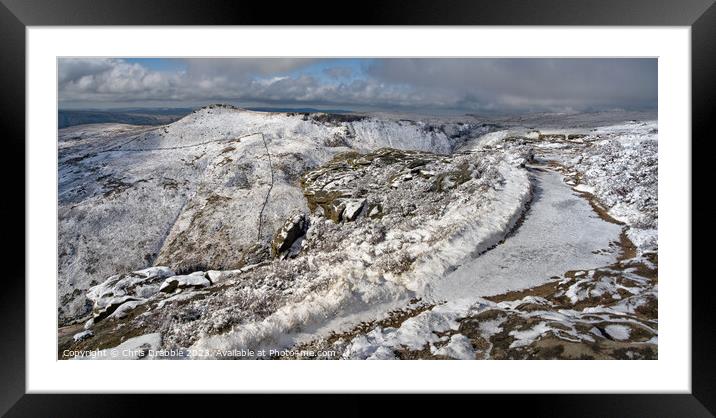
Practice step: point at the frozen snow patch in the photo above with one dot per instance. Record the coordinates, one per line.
(459, 348)
(618, 332)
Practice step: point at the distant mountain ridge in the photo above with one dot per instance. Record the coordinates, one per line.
(67, 118)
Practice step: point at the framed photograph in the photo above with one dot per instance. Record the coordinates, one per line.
(505, 185)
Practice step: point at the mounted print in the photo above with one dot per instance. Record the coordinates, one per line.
(479, 185)
(357, 208)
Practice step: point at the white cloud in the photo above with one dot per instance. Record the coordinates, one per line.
(466, 84)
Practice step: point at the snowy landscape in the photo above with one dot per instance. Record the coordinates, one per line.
(238, 234)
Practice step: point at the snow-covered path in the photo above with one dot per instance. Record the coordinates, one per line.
(560, 232)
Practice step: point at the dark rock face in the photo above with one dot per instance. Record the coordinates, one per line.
(112, 306)
(294, 228)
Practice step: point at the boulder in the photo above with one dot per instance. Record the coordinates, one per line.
(110, 306)
(135, 285)
(89, 323)
(126, 308)
(81, 336)
(353, 208)
(294, 228)
(215, 275)
(194, 280)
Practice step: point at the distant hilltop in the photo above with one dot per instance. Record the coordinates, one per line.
(163, 116)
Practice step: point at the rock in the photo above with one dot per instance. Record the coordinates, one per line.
(156, 271)
(80, 336)
(334, 210)
(375, 212)
(181, 282)
(125, 308)
(318, 197)
(111, 306)
(116, 290)
(353, 208)
(294, 228)
(89, 323)
(137, 284)
(214, 275)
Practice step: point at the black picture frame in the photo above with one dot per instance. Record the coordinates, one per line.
(16, 15)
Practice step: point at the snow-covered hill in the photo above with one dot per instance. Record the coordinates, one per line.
(189, 194)
(367, 236)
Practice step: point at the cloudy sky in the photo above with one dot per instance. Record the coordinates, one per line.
(459, 85)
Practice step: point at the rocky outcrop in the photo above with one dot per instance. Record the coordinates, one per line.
(188, 195)
(121, 288)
